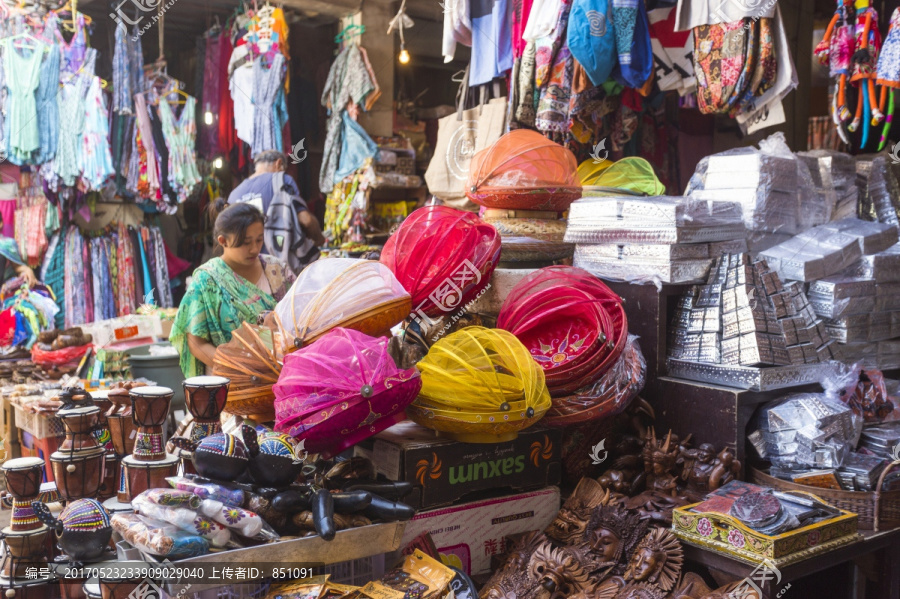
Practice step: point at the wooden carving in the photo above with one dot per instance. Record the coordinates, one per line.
(657, 560)
(569, 525)
(512, 580)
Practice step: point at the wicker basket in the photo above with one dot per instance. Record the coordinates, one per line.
(524, 198)
(877, 510)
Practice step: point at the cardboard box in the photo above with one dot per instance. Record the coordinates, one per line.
(444, 471)
(468, 535)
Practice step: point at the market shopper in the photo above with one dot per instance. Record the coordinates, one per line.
(259, 190)
(228, 290)
(11, 262)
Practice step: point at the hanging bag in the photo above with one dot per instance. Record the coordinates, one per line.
(724, 60)
(460, 136)
(283, 235)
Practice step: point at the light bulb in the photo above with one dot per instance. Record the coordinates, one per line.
(217, 163)
(208, 117)
(404, 56)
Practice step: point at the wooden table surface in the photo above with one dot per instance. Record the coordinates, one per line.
(889, 579)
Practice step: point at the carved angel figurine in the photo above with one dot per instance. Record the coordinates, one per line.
(659, 461)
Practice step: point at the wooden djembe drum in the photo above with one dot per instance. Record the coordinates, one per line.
(149, 465)
(25, 538)
(205, 398)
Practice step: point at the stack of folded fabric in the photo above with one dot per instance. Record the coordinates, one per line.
(834, 175)
(661, 239)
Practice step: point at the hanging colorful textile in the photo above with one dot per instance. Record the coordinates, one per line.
(266, 85)
(348, 82)
(96, 158)
(179, 136)
(22, 68)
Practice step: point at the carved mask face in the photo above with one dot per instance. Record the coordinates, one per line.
(606, 544)
(557, 571)
(570, 522)
(645, 564)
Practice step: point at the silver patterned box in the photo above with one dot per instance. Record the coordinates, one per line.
(884, 266)
(641, 271)
(873, 237)
(767, 378)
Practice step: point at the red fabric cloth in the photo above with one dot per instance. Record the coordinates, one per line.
(175, 264)
(227, 132)
(521, 10)
(8, 212)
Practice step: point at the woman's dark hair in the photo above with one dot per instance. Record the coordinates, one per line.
(234, 220)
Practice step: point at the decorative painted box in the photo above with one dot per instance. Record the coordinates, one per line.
(725, 534)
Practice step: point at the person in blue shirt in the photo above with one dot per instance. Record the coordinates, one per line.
(257, 190)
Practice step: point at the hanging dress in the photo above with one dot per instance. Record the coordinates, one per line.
(96, 156)
(22, 78)
(122, 92)
(74, 52)
(48, 107)
(179, 135)
(145, 151)
(266, 85)
(71, 121)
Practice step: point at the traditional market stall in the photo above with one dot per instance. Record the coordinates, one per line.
(403, 300)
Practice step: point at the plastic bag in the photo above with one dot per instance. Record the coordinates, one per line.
(418, 576)
(59, 357)
(158, 538)
(206, 489)
(806, 430)
(244, 522)
(773, 185)
(184, 518)
(864, 391)
(607, 396)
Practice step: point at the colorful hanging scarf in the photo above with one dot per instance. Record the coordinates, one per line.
(547, 47)
(218, 301)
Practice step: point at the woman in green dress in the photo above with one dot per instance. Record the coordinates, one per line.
(227, 291)
(11, 262)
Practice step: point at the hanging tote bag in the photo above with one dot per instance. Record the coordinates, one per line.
(460, 136)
